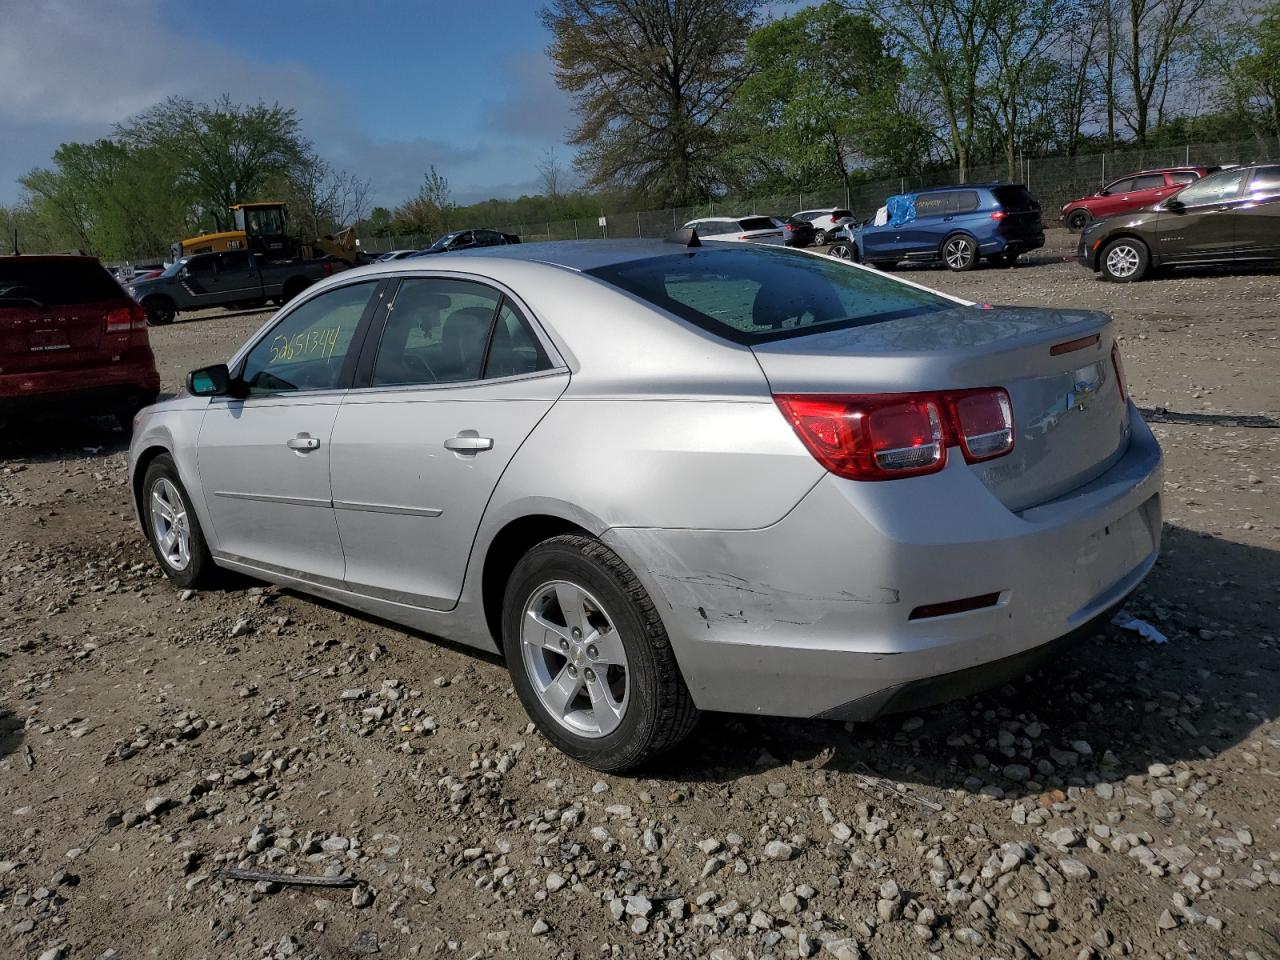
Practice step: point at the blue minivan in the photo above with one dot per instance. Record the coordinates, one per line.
(958, 225)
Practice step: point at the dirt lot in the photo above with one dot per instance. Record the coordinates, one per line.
(1121, 803)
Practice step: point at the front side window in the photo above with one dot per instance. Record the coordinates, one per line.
(1214, 188)
(201, 267)
(436, 332)
(308, 348)
(1121, 186)
(756, 294)
(935, 204)
(756, 223)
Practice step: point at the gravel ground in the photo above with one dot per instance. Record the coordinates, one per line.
(1120, 803)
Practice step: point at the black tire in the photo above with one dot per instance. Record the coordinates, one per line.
(1124, 260)
(160, 311)
(820, 238)
(293, 287)
(844, 251)
(659, 711)
(1077, 220)
(199, 570)
(124, 415)
(959, 253)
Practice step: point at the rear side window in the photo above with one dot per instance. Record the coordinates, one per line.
(1015, 198)
(1266, 181)
(436, 332)
(1149, 181)
(755, 295)
(714, 228)
(1184, 176)
(28, 282)
(757, 223)
(840, 214)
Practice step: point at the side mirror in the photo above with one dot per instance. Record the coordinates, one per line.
(1175, 205)
(184, 274)
(212, 381)
(1104, 192)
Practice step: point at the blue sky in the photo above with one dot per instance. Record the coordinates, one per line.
(383, 89)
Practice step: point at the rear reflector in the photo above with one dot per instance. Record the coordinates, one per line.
(1117, 364)
(1071, 346)
(891, 435)
(954, 606)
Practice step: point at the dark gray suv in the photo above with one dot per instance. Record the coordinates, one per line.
(1232, 216)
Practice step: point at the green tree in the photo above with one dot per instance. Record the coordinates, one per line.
(821, 100)
(224, 153)
(431, 211)
(651, 81)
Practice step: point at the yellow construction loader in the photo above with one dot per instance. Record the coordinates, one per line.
(264, 228)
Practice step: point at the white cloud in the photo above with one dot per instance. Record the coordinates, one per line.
(70, 70)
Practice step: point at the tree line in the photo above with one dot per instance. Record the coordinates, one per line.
(678, 102)
(172, 172)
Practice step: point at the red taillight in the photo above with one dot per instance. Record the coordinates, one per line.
(789, 226)
(328, 268)
(126, 319)
(891, 435)
(998, 214)
(1117, 364)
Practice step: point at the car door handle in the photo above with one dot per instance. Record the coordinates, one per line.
(468, 441)
(947, 219)
(302, 442)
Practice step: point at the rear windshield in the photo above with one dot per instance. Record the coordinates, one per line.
(757, 223)
(1015, 197)
(840, 214)
(755, 295)
(54, 283)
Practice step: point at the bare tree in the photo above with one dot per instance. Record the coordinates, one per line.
(1157, 51)
(550, 176)
(651, 80)
(326, 200)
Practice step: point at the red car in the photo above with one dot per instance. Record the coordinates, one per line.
(71, 342)
(1132, 192)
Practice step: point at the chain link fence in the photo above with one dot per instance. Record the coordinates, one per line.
(1054, 181)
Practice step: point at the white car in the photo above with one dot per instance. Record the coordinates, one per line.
(747, 229)
(824, 221)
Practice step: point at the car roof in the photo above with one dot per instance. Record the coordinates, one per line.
(576, 255)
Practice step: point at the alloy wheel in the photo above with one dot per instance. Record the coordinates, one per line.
(170, 525)
(957, 253)
(575, 659)
(1123, 260)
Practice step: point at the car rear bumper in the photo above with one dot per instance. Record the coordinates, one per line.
(1016, 244)
(812, 616)
(88, 391)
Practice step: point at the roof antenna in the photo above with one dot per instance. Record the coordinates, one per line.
(686, 237)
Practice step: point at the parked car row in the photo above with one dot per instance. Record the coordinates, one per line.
(454, 241)
(1140, 224)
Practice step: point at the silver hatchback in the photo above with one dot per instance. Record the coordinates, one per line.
(669, 478)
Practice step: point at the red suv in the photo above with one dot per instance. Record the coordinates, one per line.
(71, 342)
(1132, 192)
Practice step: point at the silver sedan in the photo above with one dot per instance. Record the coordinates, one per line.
(668, 478)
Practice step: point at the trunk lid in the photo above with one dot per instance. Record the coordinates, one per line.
(1071, 422)
(53, 314)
